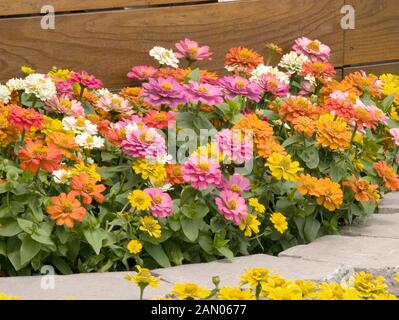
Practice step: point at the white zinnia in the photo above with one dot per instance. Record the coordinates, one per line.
(41, 85)
(79, 125)
(5, 94)
(87, 141)
(164, 56)
(16, 84)
(293, 62)
(262, 69)
(61, 176)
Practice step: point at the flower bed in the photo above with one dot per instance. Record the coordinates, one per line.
(190, 166)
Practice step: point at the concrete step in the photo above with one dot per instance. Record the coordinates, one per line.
(377, 225)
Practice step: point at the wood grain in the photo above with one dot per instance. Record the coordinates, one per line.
(19, 7)
(376, 35)
(377, 69)
(109, 43)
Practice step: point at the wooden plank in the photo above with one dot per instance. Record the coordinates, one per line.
(109, 43)
(19, 7)
(377, 69)
(376, 35)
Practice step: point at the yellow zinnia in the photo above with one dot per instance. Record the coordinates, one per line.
(6, 297)
(139, 200)
(151, 226)
(153, 171)
(250, 224)
(190, 291)
(258, 207)
(143, 278)
(279, 222)
(255, 277)
(235, 293)
(282, 167)
(134, 246)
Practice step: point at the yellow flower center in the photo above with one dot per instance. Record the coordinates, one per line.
(157, 199)
(313, 45)
(240, 84)
(166, 86)
(232, 204)
(203, 166)
(235, 188)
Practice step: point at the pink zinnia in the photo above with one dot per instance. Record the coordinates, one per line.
(66, 106)
(395, 134)
(142, 72)
(235, 86)
(190, 50)
(86, 80)
(237, 183)
(165, 91)
(114, 103)
(234, 145)
(64, 87)
(340, 104)
(25, 119)
(314, 49)
(232, 206)
(161, 202)
(273, 85)
(204, 93)
(144, 143)
(202, 172)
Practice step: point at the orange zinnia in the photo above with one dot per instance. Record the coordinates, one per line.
(37, 155)
(64, 142)
(307, 185)
(304, 125)
(66, 209)
(174, 173)
(330, 194)
(243, 59)
(318, 69)
(296, 107)
(387, 174)
(333, 133)
(8, 133)
(364, 190)
(86, 187)
(363, 82)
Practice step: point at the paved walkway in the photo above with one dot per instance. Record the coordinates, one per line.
(371, 245)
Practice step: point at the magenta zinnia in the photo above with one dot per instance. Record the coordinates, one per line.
(232, 206)
(238, 86)
(161, 202)
(164, 91)
(202, 172)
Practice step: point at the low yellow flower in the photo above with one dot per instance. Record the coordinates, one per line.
(59, 74)
(369, 286)
(134, 246)
(273, 281)
(52, 125)
(151, 226)
(330, 291)
(143, 278)
(139, 200)
(153, 171)
(190, 291)
(282, 167)
(6, 297)
(279, 222)
(91, 170)
(308, 288)
(397, 277)
(250, 224)
(255, 277)
(289, 292)
(235, 293)
(258, 207)
(385, 296)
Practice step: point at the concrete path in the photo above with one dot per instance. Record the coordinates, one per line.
(371, 245)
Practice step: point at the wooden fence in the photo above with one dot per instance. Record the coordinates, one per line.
(107, 37)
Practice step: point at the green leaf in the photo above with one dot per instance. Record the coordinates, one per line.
(26, 225)
(9, 228)
(387, 103)
(4, 187)
(29, 249)
(291, 140)
(311, 229)
(61, 265)
(206, 243)
(194, 75)
(95, 238)
(188, 194)
(311, 157)
(36, 207)
(202, 122)
(42, 237)
(195, 210)
(88, 108)
(158, 254)
(337, 172)
(226, 252)
(190, 228)
(3, 250)
(174, 252)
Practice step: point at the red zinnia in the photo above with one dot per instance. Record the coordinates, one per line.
(25, 119)
(37, 155)
(158, 119)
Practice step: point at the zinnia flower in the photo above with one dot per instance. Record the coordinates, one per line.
(149, 170)
(86, 80)
(235, 86)
(242, 60)
(164, 56)
(319, 70)
(190, 50)
(204, 93)
(86, 187)
(66, 209)
(36, 155)
(279, 222)
(139, 200)
(282, 167)
(232, 206)
(293, 62)
(142, 72)
(235, 293)
(237, 183)
(151, 226)
(190, 291)
(143, 278)
(41, 85)
(364, 191)
(295, 107)
(258, 207)
(387, 174)
(395, 134)
(164, 91)
(314, 49)
(273, 85)
(134, 246)
(234, 145)
(304, 125)
(340, 103)
(250, 225)
(174, 173)
(202, 172)
(161, 202)
(330, 194)
(64, 105)
(333, 133)
(25, 119)
(307, 185)
(159, 119)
